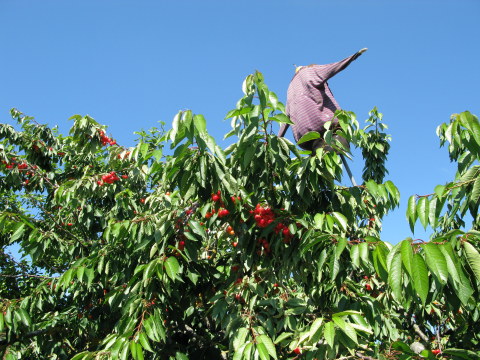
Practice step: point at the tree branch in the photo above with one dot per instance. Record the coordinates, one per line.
(420, 333)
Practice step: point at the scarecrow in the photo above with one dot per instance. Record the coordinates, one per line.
(310, 102)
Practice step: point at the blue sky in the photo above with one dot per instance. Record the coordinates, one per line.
(130, 64)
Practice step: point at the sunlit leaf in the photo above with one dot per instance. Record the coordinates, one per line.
(172, 267)
(420, 277)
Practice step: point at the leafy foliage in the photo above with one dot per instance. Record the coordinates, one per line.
(253, 251)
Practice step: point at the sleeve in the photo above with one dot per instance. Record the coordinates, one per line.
(283, 130)
(325, 72)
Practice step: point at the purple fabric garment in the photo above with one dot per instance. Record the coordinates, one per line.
(310, 102)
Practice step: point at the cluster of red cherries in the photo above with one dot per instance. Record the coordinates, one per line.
(264, 216)
(105, 139)
(110, 178)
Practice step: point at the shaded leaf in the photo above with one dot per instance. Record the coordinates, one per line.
(473, 258)
(312, 135)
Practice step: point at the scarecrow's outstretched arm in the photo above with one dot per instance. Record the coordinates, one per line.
(327, 71)
(283, 130)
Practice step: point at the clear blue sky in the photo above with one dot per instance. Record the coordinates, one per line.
(130, 64)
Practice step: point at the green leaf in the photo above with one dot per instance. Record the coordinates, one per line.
(282, 118)
(172, 267)
(26, 320)
(447, 252)
(136, 350)
(180, 356)
(340, 246)
(81, 271)
(319, 219)
(407, 256)
(18, 232)
(346, 328)
(471, 123)
(473, 258)
(433, 211)
(238, 354)
(363, 250)
(439, 190)
(457, 277)
(314, 333)
(341, 220)
(395, 277)
(239, 338)
(283, 336)
(372, 187)
(329, 333)
(81, 356)
(379, 260)
(436, 262)
(143, 149)
(464, 354)
(90, 275)
(200, 123)
(355, 255)
(144, 341)
(412, 213)
(475, 193)
(393, 191)
(423, 210)
(264, 339)
(420, 277)
(262, 351)
(312, 135)
(347, 312)
(197, 228)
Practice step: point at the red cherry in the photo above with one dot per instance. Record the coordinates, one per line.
(436, 351)
(368, 287)
(142, 201)
(297, 351)
(69, 224)
(223, 212)
(234, 244)
(215, 197)
(124, 176)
